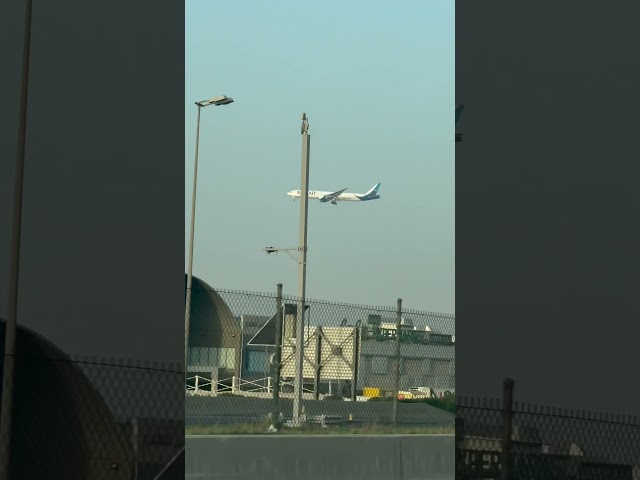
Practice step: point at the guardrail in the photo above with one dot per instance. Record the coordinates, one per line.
(262, 387)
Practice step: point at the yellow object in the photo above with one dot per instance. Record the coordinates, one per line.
(371, 392)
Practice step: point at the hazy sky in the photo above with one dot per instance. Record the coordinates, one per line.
(376, 80)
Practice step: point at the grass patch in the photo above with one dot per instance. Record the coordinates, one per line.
(261, 429)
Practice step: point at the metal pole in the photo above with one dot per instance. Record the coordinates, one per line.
(187, 313)
(396, 373)
(241, 347)
(134, 434)
(277, 358)
(302, 274)
(356, 358)
(318, 363)
(8, 375)
(507, 419)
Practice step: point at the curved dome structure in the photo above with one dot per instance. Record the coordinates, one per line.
(62, 428)
(215, 336)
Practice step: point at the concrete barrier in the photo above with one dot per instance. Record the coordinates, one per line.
(320, 457)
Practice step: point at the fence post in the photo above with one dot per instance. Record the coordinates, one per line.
(197, 378)
(214, 381)
(396, 374)
(275, 364)
(356, 357)
(318, 364)
(507, 423)
(134, 437)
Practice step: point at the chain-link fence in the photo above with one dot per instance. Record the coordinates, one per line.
(245, 358)
(543, 443)
(79, 418)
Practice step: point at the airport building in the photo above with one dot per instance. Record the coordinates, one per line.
(345, 360)
(215, 336)
(427, 358)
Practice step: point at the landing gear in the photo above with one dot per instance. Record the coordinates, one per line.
(334, 202)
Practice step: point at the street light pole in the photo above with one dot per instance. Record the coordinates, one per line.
(222, 100)
(302, 274)
(187, 315)
(8, 376)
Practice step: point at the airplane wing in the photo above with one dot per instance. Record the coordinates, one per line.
(332, 196)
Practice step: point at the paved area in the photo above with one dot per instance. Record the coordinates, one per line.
(314, 457)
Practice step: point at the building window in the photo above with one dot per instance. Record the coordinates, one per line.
(257, 361)
(207, 358)
(379, 365)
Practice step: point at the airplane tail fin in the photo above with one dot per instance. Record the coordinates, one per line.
(371, 194)
(373, 191)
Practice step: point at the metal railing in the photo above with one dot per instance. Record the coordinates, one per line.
(260, 388)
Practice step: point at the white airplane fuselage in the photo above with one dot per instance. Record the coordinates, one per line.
(317, 195)
(341, 196)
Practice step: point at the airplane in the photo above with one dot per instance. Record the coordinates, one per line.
(339, 196)
(459, 110)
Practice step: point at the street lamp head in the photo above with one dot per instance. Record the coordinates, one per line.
(220, 100)
(270, 250)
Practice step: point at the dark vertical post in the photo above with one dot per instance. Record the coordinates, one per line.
(396, 373)
(134, 434)
(356, 358)
(276, 362)
(318, 360)
(507, 422)
(8, 375)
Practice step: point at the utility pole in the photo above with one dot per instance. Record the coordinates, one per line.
(396, 373)
(216, 101)
(8, 376)
(187, 315)
(302, 274)
(276, 362)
